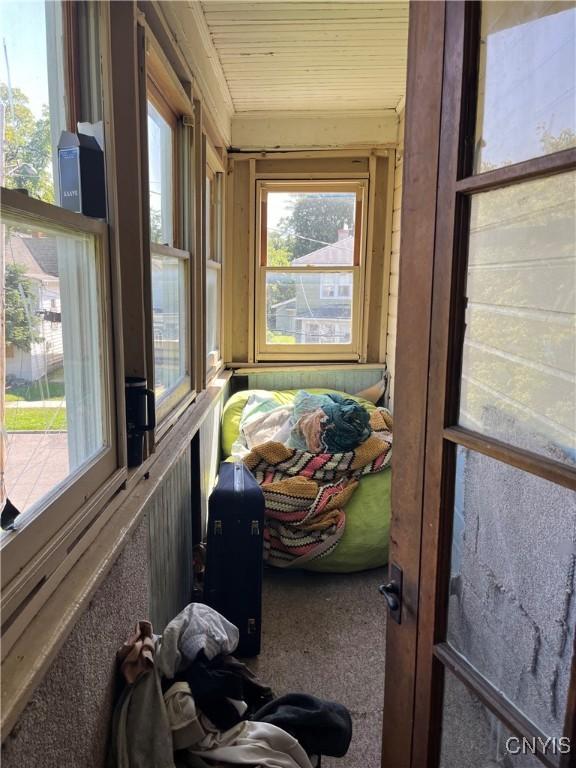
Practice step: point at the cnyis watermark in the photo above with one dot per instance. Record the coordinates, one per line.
(537, 745)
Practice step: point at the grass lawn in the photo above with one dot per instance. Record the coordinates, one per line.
(39, 390)
(280, 338)
(34, 419)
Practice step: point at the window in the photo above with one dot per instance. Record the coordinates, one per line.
(213, 224)
(169, 263)
(58, 413)
(33, 96)
(161, 172)
(59, 447)
(311, 269)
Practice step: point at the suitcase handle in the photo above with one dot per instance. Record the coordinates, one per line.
(238, 477)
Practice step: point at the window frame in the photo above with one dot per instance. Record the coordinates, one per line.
(215, 170)
(78, 499)
(160, 90)
(307, 352)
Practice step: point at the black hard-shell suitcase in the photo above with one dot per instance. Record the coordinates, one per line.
(233, 576)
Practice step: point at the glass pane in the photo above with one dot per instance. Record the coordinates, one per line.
(160, 159)
(526, 99)
(212, 315)
(512, 577)
(473, 737)
(55, 412)
(314, 228)
(313, 308)
(208, 216)
(169, 319)
(32, 96)
(519, 365)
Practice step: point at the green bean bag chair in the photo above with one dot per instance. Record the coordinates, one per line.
(364, 544)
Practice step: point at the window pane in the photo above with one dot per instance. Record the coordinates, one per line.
(298, 311)
(169, 319)
(519, 364)
(56, 416)
(32, 95)
(212, 315)
(314, 228)
(512, 576)
(160, 160)
(526, 99)
(473, 737)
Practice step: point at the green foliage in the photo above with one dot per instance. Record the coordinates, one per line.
(21, 323)
(27, 146)
(315, 220)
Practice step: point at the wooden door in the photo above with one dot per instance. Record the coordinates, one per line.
(480, 670)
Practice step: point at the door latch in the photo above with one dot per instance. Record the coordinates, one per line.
(392, 593)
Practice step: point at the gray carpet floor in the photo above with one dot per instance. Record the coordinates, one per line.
(325, 634)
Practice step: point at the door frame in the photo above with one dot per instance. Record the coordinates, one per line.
(444, 42)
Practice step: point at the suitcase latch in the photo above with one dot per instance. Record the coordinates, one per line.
(251, 626)
(255, 528)
(217, 527)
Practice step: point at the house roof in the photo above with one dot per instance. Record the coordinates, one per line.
(340, 253)
(37, 255)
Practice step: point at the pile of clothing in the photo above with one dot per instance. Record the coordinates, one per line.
(326, 423)
(188, 702)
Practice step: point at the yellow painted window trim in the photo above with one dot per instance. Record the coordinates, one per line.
(333, 352)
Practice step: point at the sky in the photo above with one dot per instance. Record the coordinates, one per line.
(530, 84)
(23, 27)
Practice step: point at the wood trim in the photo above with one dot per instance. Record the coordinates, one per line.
(156, 249)
(424, 93)
(312, 176)
(145, 266)
(443, 376)
(528, 461)
(72, 64)
(387, 206)
(359, 234)
(263, 228)
(546, 165)
(253, 213)
(491, 698)
(165, 79)
(309, 154)
(20, 205)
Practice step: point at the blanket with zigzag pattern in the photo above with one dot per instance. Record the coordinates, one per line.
(305, 493)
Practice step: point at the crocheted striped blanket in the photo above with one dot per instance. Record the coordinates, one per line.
(305, 493)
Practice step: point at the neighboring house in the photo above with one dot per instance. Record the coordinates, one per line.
(38, 257)
(321, 310)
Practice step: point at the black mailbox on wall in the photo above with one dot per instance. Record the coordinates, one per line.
(81, 174)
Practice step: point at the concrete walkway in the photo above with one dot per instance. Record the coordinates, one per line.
(36, 462)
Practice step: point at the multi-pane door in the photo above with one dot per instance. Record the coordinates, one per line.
(492, 630)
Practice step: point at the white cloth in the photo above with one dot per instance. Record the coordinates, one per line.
(197, 628)
(256, 744)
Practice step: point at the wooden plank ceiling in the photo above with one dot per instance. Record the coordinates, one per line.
(303, 56)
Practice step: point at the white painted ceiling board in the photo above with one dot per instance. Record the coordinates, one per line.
(306, 56)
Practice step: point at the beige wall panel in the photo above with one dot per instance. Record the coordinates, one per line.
(276, 131)
(239, 263)
(395, 261)
(314, 165)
